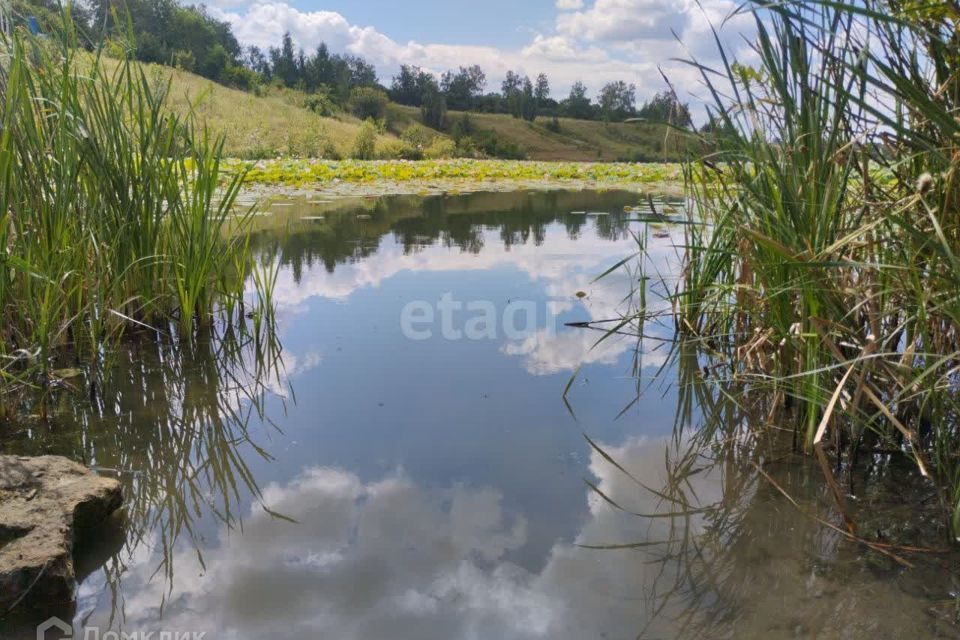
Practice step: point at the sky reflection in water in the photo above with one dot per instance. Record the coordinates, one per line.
(435, 488)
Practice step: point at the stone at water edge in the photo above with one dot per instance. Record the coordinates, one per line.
(46, 503)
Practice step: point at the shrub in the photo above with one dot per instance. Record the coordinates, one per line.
(441, 148)
(184, 60)
(117, 49)
(367, 102)
(462, 127)
(393, 149)
(364, 145)
(418, 136)
(492, 146)
(320, 103)
(467, 147)
(241, 77)
(307, 143)
(329, 151)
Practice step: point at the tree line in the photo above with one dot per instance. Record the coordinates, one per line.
(188, 37)
(521, 97)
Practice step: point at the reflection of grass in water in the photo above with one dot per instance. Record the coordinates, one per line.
(726, 546)
(818, 306)
(171, 421)
(820, 272)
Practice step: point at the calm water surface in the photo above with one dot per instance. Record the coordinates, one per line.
(355, 481)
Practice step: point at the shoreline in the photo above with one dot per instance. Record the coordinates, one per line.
(351, 179)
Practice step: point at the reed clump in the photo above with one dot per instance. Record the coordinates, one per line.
(115, 213)
(822, 265)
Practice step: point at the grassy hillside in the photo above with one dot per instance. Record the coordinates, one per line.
(261, 126)
(277, 123)
(576, 140)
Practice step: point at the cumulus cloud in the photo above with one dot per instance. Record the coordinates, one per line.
(392, 558)
(561, 49)
(627, 20)
(570, 266)
(601, 42)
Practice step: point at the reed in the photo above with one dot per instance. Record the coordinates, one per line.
(115, 214)
(821, 269)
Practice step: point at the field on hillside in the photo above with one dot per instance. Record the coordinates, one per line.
(259, 126)
(576, 140)
(277, 123)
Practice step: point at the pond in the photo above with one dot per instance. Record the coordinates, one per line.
(439, 445)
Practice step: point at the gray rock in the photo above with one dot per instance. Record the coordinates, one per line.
(46, 503)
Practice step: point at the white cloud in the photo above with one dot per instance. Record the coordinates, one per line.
(570, 266)
(627, 20)
(390, 558)
(561, 49)
(606, 41)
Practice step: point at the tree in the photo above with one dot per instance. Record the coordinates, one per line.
(367, 102)
(333, 75)
(617, 101)
(541, 92)
(528, 103)
(283, 62)
(165, 32)
(257, 62)
(490, 103)
(433, 107)
(577, 104)
(362, 73)
(463, 87)
(49, 16)
(409, 85)
(665, 107)
(511, 89)
(320, 69)
(518, 96)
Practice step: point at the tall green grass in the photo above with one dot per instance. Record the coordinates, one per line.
(822, 272)
(115, 214)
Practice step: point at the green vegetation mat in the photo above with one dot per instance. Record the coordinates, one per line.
(292, 172)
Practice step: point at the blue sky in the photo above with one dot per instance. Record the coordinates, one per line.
(594, 41)
(500, 23)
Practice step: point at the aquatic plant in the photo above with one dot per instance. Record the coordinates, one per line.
(307, 172)
(821, 268)
(115, 214)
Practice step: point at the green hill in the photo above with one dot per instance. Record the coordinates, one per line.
(277, 122)
(274, 123)
(575, 140)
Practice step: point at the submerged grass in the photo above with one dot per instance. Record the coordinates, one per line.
(829, 296)
(115, 214)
